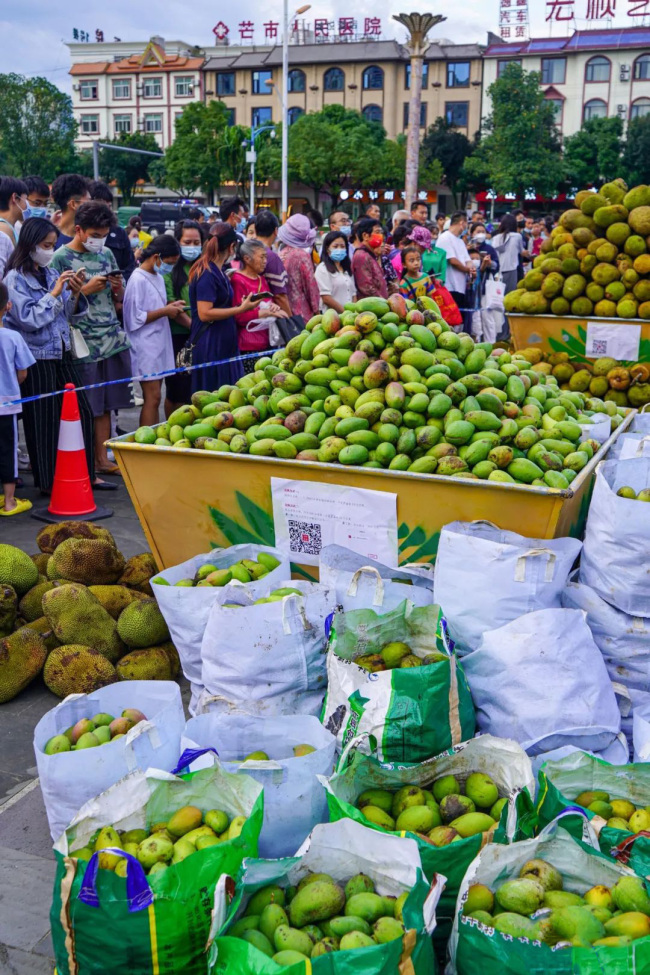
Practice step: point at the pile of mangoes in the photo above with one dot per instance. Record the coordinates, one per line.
(246, 570)
(90, 732)
(396, 654)
(317, 917)
(442, 815)
(604, 377)
(535, 906)
(187, 831)
(619, 813)
(596, 261)
(388, 385)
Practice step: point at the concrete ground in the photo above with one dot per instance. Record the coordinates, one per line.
(26, 861)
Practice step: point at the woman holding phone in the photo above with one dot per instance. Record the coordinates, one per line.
(188, 233)
(250, 280)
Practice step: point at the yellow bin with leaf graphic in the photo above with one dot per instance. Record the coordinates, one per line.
(189, 500)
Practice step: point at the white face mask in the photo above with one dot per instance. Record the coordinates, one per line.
(479, 238)
(42, 256)
(94, 245)
(476, 263)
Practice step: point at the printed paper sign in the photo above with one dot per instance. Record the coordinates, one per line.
(635, 447)
(612, 339)
(308, 515)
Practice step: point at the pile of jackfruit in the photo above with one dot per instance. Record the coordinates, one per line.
(603, 378)
(596, 261)
(80, 614)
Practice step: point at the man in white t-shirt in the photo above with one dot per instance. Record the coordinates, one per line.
(459, 266)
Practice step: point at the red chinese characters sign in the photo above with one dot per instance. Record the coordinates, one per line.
(344, 28)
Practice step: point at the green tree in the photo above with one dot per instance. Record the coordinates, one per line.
(126, 168)
(520, 147)
(637, 151)
(445, 145)
(202, 150)
(593, 155)
(37, 127)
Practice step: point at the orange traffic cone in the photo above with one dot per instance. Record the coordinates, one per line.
(72, 494)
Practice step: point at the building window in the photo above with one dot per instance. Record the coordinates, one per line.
(597, 69)
(553, 71)
(425, 75)
(88, 90)
(640, 107)
(121, 88)
(226, 83)
(295, 113)
(260, 86)
(596, 108)
(90, 124)
(456, 113)
(260, 116)
(373, 78)
(558, 108)
(458, 74)
(423, 115)
(153, 123)
(184, 86)
(152, 88)
(296, 80)
(373, 113)
(122, 123)
(333, 80)
(230, 116)
(642, 68)
(502, 65)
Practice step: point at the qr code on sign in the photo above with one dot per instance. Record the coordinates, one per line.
(599, 346)
(305, 537)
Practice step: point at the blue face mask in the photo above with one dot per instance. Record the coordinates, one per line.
(164, 268)
(241, 226)
(338, 253)
(135, 243)
(26, 213)
(191, 253)
(38, 212)
(346, 229)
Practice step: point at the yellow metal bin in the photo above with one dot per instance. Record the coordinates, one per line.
(188, 500)
(555, 333)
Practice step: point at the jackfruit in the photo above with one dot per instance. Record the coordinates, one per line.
(615, 291)
(643, 310)
(76, 615)
(89, 561)
(22, 655)
(607, 252)
(615, 191)
(17, 569)
(583, 236)
(138, 570)
(511, 300)
(560, 306)
(150, 664)
(42, 626)
(581, 307)
(604, 274)
(591, 202)
(603, 365)
(573, 287)
(8, 609)
(552, 284)
(572, 219)
(635, 245)
(40, 561)
(533, 303)
(77, 669)
(605, 308)
(533, 281)
(588, 263)
(639, 220)
(617, 234)
(115, 598)
(551, 265)
(642, 263)
(627, 308)
(595, 292)
(142, 624)
(570, 265)
(31, 605)
(50, 537)
(615, 213)
(172, 656)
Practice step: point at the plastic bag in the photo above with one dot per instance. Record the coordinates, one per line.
(617, 538)
(70, 779)
(641, 733)
(411, 712)
(294, 799)
(342, 850)
(486, 577)
(186, 608)
(542, 681)
(358, 584)
(270, 658)
(506, 763)
(147, 924)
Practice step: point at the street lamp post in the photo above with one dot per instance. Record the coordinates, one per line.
(418, 26)
(284, 175)
(251, 157)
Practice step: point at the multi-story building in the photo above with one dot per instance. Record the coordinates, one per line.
(132, 87)
(591, 74)
(372, 77)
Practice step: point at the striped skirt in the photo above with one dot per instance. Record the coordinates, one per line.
(41, 417)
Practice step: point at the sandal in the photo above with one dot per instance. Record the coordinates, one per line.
(22, 504)
(111, 469)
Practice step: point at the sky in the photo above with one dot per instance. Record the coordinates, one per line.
(35, 31)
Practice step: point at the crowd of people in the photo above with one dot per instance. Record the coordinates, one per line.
(88, 302)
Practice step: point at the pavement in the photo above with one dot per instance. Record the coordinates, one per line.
(27, 864)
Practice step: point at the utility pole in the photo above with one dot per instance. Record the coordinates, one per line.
(418, 26)
(105, 145)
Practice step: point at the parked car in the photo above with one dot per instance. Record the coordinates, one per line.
(159, 217)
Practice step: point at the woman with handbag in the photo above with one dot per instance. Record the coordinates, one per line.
(213, 337)
(296, 238)
(43, 306)
(252, 335)
(146, 320)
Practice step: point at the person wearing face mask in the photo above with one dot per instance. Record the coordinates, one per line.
(38, 196)
(146, 319)
(366, 261)
(13, 208)
(253, 333)
(44, 304)
(15, 360)
(234, 211)
(69, 191)
(334, 273)
(108, 356)
(188, 233)
(296, 238)
(213, 337)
